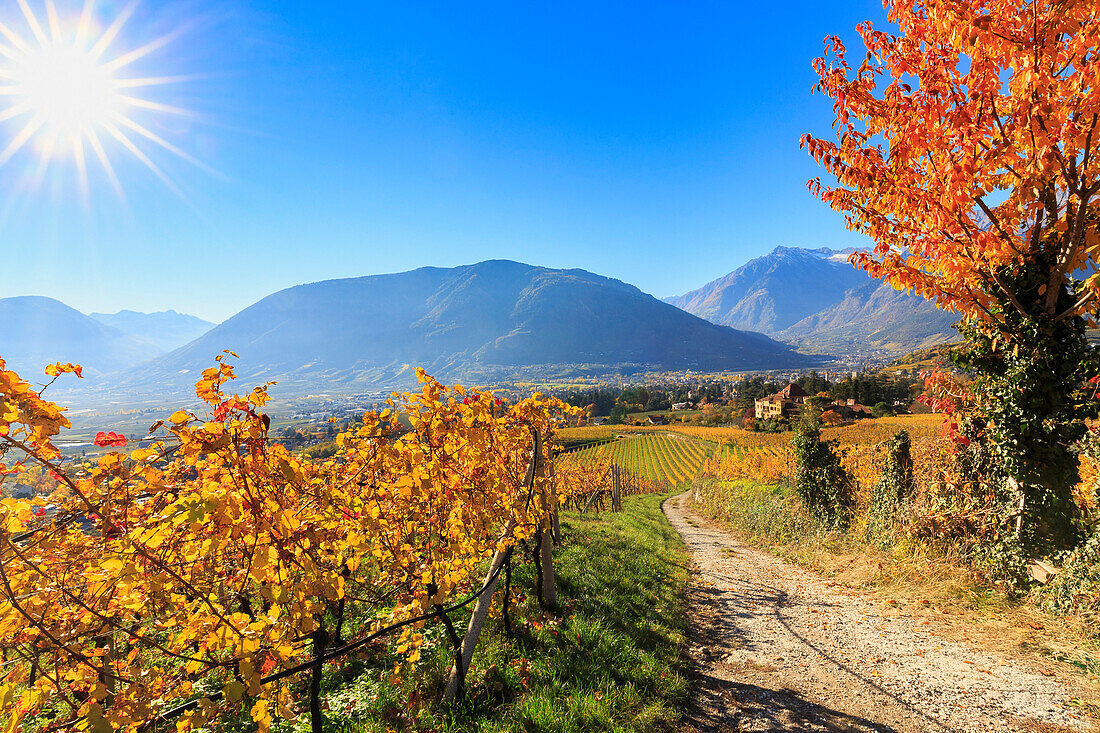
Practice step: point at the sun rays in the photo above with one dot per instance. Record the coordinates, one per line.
(71, 93)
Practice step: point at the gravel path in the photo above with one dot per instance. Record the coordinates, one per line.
(777, 648)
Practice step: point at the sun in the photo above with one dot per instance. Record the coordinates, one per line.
(67, 92)
(67, 89)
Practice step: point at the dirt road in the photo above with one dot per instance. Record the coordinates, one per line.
(777, 648)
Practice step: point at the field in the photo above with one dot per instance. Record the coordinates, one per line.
(668, 459)
(861, 432)
(675, 454)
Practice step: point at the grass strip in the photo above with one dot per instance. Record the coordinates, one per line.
(609, 660)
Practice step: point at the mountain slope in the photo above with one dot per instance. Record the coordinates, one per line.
(875, 315)
(774, 292)
(35, 331)
(817, 301)
(495, 314)
(166, 330)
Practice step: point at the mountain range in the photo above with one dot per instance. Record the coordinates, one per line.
(816, 300)
(487, 321)
(35, 331)
(484, 318)
(167, 330)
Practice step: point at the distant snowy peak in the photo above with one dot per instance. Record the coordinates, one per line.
(842, 255)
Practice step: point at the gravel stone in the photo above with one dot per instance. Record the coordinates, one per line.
(775, 647)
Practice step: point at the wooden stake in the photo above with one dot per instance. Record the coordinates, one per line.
(549, 585)
(619, 492)
(477, 620)
(556, 524)
(549, 597)
(492, 579)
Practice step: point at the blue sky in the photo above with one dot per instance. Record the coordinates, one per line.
(652, 142)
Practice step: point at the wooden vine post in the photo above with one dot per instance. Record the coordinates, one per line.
(492, 578)
(591, 499)
(316, 717)
(549, 598)
(477, 619)
(554, 503)
(616, 489)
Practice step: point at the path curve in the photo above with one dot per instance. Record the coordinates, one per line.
(777, 648)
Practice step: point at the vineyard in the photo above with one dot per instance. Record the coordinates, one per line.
(861, 432)
(676, 454)
(666, 459)
(215, 576)
(181, 583)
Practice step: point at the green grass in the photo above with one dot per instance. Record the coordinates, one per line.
(766, 515)
(609, 660)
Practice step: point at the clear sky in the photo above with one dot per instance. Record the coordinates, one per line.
(652, 142)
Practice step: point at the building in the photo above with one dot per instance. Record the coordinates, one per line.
(787, 402)
(850, 409)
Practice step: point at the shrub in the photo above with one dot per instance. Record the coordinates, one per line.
(881, 409)
(892, 493)
(766, 513)
(1076, 588)
(820, 480)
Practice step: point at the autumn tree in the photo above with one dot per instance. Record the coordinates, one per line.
(965, 147)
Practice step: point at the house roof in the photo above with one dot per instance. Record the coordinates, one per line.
(792, 391)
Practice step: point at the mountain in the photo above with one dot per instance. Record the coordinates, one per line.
(874, 315)
(36, 331)
(816, 300)
(477, 319)
(166, 330)
(774, 292)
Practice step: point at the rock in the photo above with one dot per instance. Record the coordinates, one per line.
(1042, 572)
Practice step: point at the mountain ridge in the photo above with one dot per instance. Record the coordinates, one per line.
(167, 330)
(763, 294)
(875, 315)
(36, 330)
(816, 300)
(496, 314)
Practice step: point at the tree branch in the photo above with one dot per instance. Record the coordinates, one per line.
(1081, 302)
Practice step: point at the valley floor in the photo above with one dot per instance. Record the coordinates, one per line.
(775, 647)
